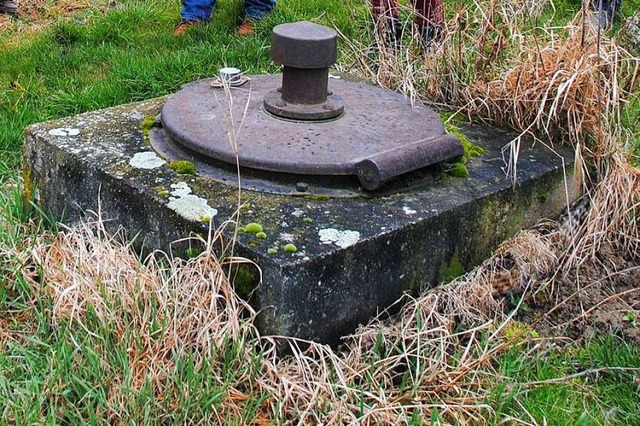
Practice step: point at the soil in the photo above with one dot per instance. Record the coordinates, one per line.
(598, 299)
(33, 15)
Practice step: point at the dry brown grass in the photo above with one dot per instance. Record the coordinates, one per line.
(436, 354)
(166, 308)
(560, 84)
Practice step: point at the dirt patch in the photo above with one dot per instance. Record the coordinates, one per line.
(597, 299)
(37, 14)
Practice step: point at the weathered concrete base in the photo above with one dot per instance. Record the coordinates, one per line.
(354, 256)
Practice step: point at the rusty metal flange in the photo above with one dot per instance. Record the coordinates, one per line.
(381, 137)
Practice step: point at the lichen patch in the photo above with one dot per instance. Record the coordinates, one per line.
(284, 236)
(188, 205)
(146, 160)
(408, 210)
(342, 239)
(64, 131)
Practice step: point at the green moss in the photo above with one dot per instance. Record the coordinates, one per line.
(146, 125)
(290, 248)
(458, 169)
(517, 331)
(205, 219)
(454, 269)
(244, 279)
(542, 196)
(272, 251)
(162, 192)
(470, 149)
(253, 228)
(261, 235)
(307, 220)
(317, 197)
(473, 150)
(183, 167)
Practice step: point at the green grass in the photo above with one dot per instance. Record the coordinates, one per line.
(66, 375)
(604, 397)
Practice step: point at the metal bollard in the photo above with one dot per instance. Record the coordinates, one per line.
(306, 51)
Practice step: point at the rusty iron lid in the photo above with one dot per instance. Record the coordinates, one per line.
(380, 136)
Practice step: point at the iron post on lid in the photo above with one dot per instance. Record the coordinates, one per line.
(306, 51)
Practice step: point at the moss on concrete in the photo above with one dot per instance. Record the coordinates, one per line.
(470, 149)
(183, 167)
(451, 270)
(253, 228)
(244, 279)
(290, 248)
(163, 192)
(458, 169)
(146, 125)
(28, 193)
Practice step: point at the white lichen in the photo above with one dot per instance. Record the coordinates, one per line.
(64, 131)
(188, 205)
(284, 236)
(408, 211)
(342, 239)
(146, 160)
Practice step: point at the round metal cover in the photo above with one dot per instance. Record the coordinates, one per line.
(377, 124)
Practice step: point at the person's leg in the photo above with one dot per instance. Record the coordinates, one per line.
(606, 10)
(254, 10)
(192, 13)
(385, 14)
(257, 9)
(429, 18)
(9, 7)
(384, 8)
(197, 10)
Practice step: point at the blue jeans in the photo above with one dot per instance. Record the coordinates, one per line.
(200, 10)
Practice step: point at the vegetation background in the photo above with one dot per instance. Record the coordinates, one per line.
(92, 333)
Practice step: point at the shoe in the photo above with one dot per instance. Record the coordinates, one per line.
(246, 29)
(183, 26)
(9, 7)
